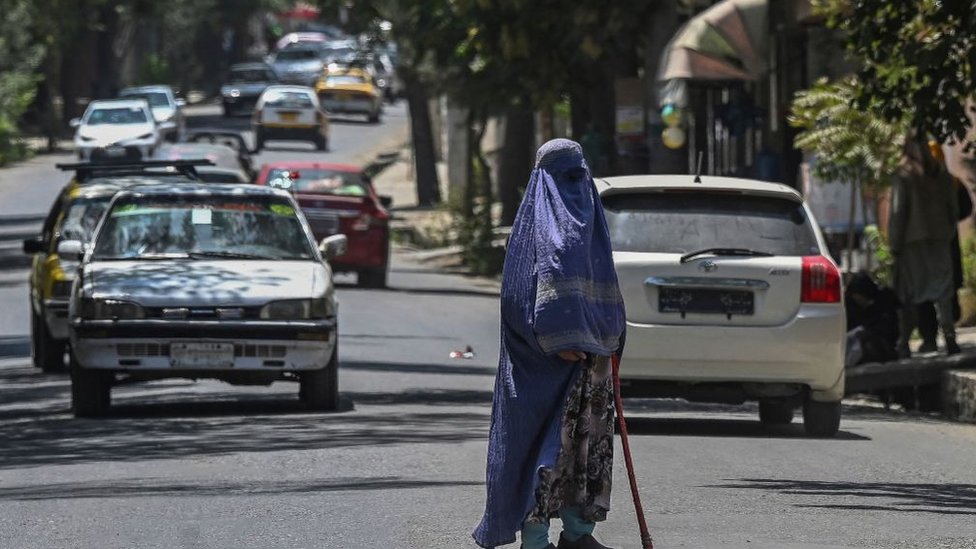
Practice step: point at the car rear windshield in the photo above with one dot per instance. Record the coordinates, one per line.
(194, 226)
(245, 76)
(119, 115)
(288, 100)
(683, 222)
(296, 55)
(344, 80)
(318, 181)
(155, 99)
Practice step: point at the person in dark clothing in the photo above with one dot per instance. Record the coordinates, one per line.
(872, 320)
(928, 323)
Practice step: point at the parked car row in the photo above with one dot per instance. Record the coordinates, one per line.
(143, 272)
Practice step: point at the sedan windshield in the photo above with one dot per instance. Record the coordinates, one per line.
(344, 80)
(288, 100)
(120, 115)
(297, 55)
(202, 227)
(81, 218)
(318, 181)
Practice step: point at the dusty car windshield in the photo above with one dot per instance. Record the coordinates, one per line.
(318, 181)
(120, 115)
(344, 80)
(682, 222)
(193, 227)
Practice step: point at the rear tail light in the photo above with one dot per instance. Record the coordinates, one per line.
(821, 281)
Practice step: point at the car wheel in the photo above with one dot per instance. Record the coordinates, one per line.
(374, 117)
(47, 352)
(228, 112)
(775, 412)
(319, 389)
(91, 391)
(821, 419)
(321, 143)
(372, 278)
(258, 141)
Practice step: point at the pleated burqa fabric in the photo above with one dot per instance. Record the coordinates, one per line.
(559, 292)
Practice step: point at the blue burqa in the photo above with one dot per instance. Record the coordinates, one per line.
(559, 293)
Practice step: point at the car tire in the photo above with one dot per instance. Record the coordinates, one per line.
(374, 117)
(258, 141)
(821, 419)
(228, 112)
(372, 278)
(47, 352)
(321, 143)
(775, 412)
(91, 391)
(319, 389)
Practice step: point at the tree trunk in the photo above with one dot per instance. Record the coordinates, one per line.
(428, 186)
(106, 74)
(851, 219)
(516, 159)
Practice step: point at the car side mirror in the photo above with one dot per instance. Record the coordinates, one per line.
(334, 246)
(34, 245)
(181, 102)
(74, 122)
(71, 249)
(386, 201)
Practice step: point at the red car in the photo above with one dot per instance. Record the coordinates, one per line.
(340, 199)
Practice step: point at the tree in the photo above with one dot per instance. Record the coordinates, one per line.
(918, 59)
(19, 58)
(854, 146)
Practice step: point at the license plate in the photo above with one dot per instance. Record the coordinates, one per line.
(706, 301)
(201, 355)
(114, 152)
(288, 116)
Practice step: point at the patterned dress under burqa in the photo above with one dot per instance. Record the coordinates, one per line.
(550, 443)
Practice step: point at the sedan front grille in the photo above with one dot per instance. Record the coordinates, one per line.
(142, 349)
(260, 351)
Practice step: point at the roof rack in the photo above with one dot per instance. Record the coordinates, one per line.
(88, 170)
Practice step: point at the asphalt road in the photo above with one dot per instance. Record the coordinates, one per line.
(401, 465)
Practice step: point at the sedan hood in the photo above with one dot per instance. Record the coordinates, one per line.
(113, 133)
(168, 283)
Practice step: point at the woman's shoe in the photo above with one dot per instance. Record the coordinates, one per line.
(952, 348)
(585, 542)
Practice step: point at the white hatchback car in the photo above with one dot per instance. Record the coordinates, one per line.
(117, 128)
(730, 296)
(290, 113)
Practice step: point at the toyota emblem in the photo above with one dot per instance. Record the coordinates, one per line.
(707, 266)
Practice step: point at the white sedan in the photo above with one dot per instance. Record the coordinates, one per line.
(115, 129)
(730, 296)
(203, 281)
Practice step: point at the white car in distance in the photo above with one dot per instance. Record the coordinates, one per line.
(730, 296)
(167, 110)
(117, 129)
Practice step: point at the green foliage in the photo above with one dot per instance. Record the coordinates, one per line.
(19, 57)
(968, 248)
(851, 144)
(154, 69)
(878, 245)
(918, 59)
(475, 226)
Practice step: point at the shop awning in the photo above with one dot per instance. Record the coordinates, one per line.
(728, 41)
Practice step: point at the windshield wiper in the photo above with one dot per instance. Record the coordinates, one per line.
(742, 252)
(226, 255)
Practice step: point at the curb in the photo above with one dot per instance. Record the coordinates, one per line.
(959, 395)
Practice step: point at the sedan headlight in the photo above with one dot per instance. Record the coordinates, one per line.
(110, 309)
(295, 309)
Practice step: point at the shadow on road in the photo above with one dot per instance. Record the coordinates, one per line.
(456, 292)
(720, 427)
(941, 499)
(151, 487)
(461, 369)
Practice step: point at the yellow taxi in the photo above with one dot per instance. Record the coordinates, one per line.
(350, 91)
(73, 217)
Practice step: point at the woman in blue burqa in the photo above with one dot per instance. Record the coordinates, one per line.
(550, 447)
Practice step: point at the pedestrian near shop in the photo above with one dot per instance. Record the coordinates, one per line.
(550, 446)
(928, 323)
(924, 213)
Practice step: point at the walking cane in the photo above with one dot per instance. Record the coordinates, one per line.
(646, 541)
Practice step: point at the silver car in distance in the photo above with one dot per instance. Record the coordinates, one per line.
(203, 281)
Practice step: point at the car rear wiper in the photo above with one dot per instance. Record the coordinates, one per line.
(226, 255)
(743, 252)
